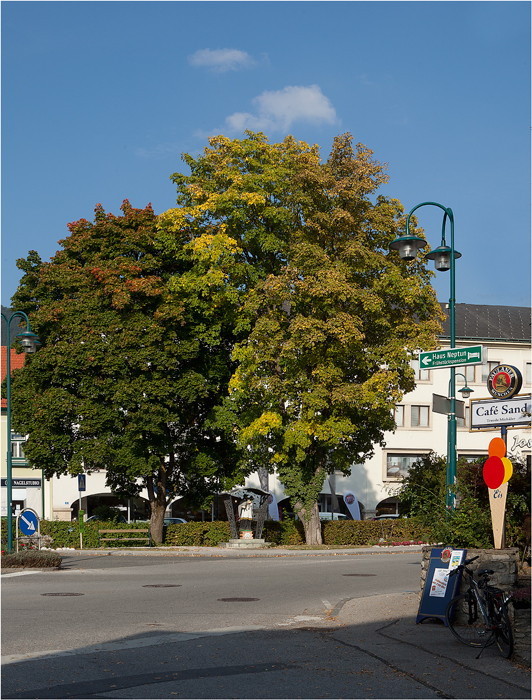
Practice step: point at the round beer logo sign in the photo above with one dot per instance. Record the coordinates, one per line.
(504, 381)
(446, 555)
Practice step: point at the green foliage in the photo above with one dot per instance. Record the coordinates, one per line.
(197, 534)
(357, 533)
(331, 318)
(284, 532)
(107, 513)
(422, 496)
(422, 492)
(33, 559)
(130, 369)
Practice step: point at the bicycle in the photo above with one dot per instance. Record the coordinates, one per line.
(487, 614)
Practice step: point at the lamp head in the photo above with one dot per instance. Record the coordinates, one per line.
(408, 246)
(466, 391)
(442, 257)
(29, 341)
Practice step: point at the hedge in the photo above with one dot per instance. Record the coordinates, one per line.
(354, 533)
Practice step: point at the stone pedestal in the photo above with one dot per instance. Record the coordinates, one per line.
(243, 544)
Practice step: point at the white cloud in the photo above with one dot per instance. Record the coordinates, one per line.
(279, 109)
(221, 60)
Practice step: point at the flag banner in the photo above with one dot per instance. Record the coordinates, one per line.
(273, 508)
(351, 501)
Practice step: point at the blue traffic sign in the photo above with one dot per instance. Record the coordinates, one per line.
(81, 482)
(28, 522)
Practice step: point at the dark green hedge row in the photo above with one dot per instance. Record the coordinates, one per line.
(211, 534)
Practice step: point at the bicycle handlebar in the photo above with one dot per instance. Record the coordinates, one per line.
(461, 567)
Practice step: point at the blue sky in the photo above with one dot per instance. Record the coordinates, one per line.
(100, 99)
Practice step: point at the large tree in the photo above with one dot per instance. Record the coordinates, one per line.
(135, 356)
(332, 318)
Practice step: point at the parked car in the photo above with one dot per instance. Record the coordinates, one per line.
(329, 516)
(174, 521)
(93, 518)
(387, 517)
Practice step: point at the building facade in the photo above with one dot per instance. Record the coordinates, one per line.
(504, 333)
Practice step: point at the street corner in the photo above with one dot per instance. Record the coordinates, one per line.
(379, 609)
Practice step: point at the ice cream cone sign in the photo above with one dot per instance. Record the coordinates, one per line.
(497, 470)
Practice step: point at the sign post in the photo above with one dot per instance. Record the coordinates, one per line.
(81, 487)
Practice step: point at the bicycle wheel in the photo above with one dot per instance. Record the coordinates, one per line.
(466, 622)
(503, 634)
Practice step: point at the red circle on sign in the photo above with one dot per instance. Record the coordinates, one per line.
(493, 472)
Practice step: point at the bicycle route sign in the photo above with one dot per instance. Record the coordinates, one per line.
(452, 357)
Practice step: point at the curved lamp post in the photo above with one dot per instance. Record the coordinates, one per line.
(29, 342)
(444, 259)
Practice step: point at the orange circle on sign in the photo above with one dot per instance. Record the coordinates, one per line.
(508, 469)
(493, 472)
(497, 448)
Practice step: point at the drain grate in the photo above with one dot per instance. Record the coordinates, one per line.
(237, 600)
(162, 585)
(359, 574)
(63, 594)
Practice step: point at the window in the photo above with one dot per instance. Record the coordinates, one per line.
(419, 416)
(463, 422)
(486, 369)
(422, 375)
(399, 416)
(470, 373)
(17, 451)
(397, 466)
(528, 373)
(17, 446)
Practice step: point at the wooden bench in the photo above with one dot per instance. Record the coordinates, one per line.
(122, 539)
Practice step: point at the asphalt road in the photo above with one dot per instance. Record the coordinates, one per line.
(272, 627)
(120, 597)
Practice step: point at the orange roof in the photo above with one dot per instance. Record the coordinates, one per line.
(16, 362)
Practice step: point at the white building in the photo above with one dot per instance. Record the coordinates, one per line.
(504, 333)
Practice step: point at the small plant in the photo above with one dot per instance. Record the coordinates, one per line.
(31, 559)
(521, 597)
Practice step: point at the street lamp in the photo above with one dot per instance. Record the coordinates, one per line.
(444, 259)
(466, 391)
(29, 341)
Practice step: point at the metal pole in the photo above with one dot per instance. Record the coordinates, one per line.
(451, 465)
(8, 426)
(9, 474)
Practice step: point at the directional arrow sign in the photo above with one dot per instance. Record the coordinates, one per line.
(452, 357)
(28, 522)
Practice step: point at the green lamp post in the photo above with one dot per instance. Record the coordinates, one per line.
(29, 342)
(444, 259)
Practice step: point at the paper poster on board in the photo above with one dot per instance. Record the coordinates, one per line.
(456, 558)
(439, 583)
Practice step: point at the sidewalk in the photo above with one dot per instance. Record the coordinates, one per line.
(225, 552)
(384, 628)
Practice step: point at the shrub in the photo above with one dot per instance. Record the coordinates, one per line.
(31, 558)
(204, 534)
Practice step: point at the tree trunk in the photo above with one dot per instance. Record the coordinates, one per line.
(312, 525)
(157, 498)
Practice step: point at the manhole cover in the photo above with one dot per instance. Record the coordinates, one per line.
(162, 585)
(56, 594)
(237, 600)
(359, 574)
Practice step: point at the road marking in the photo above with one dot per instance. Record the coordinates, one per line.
(326, 603)
(20, 573)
